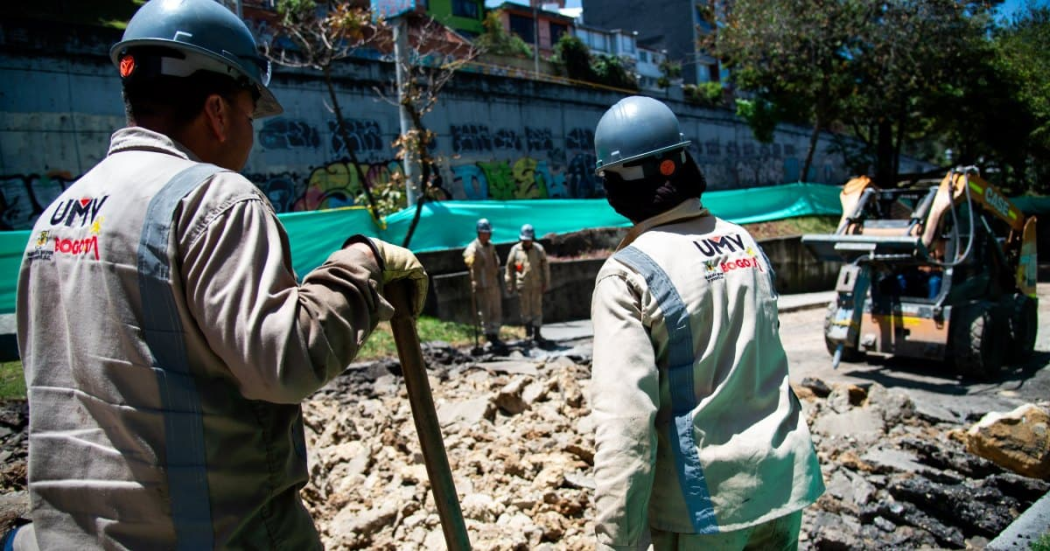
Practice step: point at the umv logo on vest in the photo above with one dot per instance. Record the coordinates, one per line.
(67, 213)
(717, 245)
(84, 209)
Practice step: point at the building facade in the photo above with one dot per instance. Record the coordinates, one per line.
(535, 25)
(671, 26)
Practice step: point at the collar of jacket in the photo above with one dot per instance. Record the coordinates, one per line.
(690, 208)
(138, 138)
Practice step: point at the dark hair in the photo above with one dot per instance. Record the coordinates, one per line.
(174, 100)
(638, 200)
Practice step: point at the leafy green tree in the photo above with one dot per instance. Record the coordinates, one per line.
(793, 57)
(1023, 63)
(711, 94)
(614, 71)
(497, 41)
(913, 56)
(574, 57)
(879, 69)
(670, 71)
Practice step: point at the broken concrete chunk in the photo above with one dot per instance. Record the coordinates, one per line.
(1018, 440)
(894, 405)
(862, 426)
(512, 367)
(510, 398)
(817, 386)
(468, 412)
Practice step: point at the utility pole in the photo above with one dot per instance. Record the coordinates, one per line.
(536, 37)
(400, 25)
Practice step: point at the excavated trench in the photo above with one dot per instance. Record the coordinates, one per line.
(519, 441)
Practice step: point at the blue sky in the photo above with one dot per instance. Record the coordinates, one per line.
(1010, 7)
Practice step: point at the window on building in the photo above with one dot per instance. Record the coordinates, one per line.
(597, 42)
(557, 29)
(628, 45)
(643, 56)
(466, 8)
(522, 26)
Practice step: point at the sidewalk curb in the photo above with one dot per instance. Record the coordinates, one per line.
(800, 307)
(1025, 529)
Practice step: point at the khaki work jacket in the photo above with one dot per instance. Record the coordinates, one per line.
(167, 345)
(698, 430)
(483, 263)
(527, 269)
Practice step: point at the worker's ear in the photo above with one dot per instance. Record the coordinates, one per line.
(217, 117)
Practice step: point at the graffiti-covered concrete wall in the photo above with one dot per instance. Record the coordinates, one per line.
(498, 138)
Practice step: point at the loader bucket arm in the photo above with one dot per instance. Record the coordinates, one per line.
(995, 202)
(850, 197)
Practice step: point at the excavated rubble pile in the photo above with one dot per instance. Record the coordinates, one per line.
(520, 444)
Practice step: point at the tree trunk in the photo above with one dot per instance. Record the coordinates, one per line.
(345, 135)
(424, 164)
(897, 146)
(813, 138)
(884, 174)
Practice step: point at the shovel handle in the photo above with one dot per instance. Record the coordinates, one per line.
(425, 416)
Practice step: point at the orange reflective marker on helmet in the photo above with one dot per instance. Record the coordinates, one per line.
(127, 66)
(667, 167)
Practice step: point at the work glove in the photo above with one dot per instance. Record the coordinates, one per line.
(398, 263)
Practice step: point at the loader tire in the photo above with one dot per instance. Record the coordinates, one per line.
(849, 353)
(977, 349)
(1021, 325)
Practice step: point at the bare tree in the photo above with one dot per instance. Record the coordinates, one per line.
(436, 54)
(322, 36)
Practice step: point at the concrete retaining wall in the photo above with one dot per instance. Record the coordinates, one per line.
(497, 137)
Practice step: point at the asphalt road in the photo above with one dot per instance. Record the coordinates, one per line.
(926, 382)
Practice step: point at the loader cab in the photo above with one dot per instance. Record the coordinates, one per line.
(941, 271)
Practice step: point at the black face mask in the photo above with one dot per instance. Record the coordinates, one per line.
(638, 200)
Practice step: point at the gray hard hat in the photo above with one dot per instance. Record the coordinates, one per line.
(527, 233)
(484, 226)
(210, 37)
(635, 128)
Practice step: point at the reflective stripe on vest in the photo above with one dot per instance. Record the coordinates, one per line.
(185, 463)
(680, 361)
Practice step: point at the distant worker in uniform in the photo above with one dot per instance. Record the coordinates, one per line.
(529, 274)
(166, 341)
(483, 263)
(700, 441)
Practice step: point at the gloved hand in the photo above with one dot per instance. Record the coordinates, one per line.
(398, 263)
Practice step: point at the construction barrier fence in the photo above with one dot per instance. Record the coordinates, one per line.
(450, 224)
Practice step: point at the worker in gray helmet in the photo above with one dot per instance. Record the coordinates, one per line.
(528, 274)
(483, 263)
(167, 342)
(700, 442)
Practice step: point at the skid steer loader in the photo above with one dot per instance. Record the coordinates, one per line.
(943, 272)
